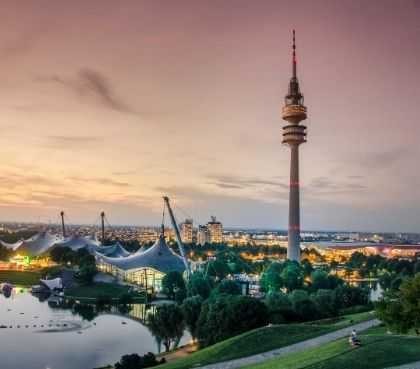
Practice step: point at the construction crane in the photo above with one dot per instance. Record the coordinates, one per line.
(177, 235)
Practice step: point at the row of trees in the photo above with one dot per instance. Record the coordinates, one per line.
(213, 309)
(219, 317)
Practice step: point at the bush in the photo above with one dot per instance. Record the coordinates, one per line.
(325, 303)
(279, 307)
(229, 287)
(303, 307)
(356, 309)
(135, 361)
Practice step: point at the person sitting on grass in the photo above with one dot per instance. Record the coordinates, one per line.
(353, 340)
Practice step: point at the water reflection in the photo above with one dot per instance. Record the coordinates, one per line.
(39, 333)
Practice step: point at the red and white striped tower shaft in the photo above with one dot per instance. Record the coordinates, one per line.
(294, 134)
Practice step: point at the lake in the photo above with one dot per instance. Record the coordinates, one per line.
(39, 336)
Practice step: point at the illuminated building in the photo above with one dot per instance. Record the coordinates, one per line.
(203, 235)
(215, 230)
(145, 268)
(187, 231)
(294, 134)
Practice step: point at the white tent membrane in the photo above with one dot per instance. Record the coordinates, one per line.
(12, 246)
(52, 284)
(39, 243)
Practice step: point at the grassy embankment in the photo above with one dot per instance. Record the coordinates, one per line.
(102, 290)
(21, 278)
(264, 339)
(378, 350)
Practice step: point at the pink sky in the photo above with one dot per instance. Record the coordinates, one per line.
(109, 105)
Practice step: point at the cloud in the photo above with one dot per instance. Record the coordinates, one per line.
(326, 186)
(100, 181)
(21, 44)
(123, 174)
(98, 85)
(383, 159)
(72, 142)
(91, 83)
(236, 182)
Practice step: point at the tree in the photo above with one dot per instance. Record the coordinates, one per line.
(279, 307)
(292, 276)
(322, 280)
(400, 310)
(346, 296)
(228, 286)
(172, 284)
(5, 253)
(303, 307)
(271, 280)
(218, 268)
(191, 308)
(86, 273)
(307, 267)
(319, 279)
(228, 315)
(58, 253)
(324, 302)
(167, 325)
(198, 284)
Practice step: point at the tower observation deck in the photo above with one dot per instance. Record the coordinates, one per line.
(294, 134)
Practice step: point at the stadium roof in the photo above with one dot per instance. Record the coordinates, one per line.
(159, 257)
(39, 243)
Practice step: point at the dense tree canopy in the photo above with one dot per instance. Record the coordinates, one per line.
(228, 315)
(400, 310)
(167, 325)
(191, 308)
(199, 284)
(173, 285)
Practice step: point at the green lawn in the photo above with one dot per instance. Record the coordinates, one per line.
(100, 289)
(378, 350)
(263, 339)
(20, 278)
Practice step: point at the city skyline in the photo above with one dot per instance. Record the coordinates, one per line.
(109, 108)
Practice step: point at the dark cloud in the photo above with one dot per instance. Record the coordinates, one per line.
(236, 182)
(98, 85)
(89, 82)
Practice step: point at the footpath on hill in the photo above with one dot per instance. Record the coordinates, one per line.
(300, 346)
(415, 365)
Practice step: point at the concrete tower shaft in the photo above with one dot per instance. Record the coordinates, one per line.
(294, 134)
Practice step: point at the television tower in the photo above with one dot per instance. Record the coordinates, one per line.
(294, 134)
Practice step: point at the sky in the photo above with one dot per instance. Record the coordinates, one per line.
(108, 105)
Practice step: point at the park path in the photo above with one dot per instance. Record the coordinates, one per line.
(300, 346)
(415, 365)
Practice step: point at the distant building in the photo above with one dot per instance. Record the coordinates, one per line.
(215, 230)
(187, 231)
(203, 236)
